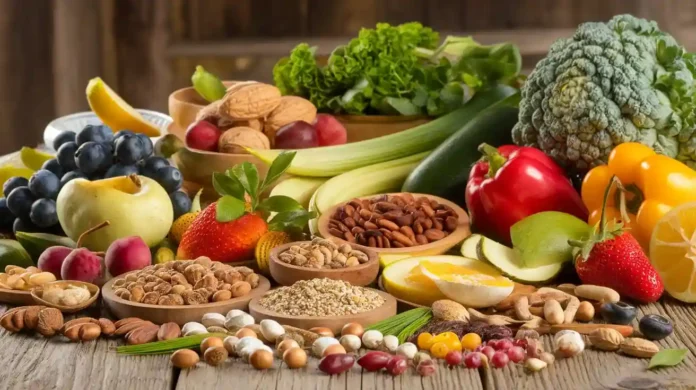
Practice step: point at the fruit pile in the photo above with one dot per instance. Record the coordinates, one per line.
(93, 153)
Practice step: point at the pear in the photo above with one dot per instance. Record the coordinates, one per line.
(134, 206)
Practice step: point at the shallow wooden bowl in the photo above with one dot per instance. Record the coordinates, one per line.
(287, 274)
(335, 323)
(37, 295)
(160, 314)
(389, 255)
(184, 105)
(16, 297)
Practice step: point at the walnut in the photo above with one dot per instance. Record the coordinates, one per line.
(235, 140)
(240, 289)
(222, 295)
(151, 278)
(137, 294)
(178, 278)
(177, 299)
(150, 286)
(194, 298)
(119, 283)
(253, 280)
(204, 292)
(178, 289)
(163, 288)
(232, 277)
(204, 261)
(244, 270)
(171, 300)
(122, 293)
(194, 273)
(151, 298)
(207, 282)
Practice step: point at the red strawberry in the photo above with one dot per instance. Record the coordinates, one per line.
(613, 258)
(222, 241)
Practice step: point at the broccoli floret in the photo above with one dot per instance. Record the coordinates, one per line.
(615, 82)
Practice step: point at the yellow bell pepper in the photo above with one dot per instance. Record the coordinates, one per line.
(653, 184)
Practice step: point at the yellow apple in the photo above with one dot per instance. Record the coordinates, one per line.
(133, 205)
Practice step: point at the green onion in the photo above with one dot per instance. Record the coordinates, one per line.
(414, 326)
(167, 346)
(403, 322)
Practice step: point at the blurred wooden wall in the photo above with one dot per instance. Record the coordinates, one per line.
(145, 49)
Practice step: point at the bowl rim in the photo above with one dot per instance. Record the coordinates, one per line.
(176, 94)
(109, 293)
(460, 233)
(372, 258)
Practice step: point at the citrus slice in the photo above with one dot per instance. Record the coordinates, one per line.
(673, 251)
(115, 112)
(33, 159)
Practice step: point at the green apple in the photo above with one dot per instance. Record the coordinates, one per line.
(133, 205)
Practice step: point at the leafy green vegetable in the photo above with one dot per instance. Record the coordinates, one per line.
(667, 357)
(397, 70)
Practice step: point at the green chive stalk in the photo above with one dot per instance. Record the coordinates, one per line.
(167, 346)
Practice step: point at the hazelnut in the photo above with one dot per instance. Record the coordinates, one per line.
(215, 355)
(240, 289)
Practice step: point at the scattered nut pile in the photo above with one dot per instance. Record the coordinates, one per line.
(393, 221)
(18, 278)
(70, 295)
(251, 113)
(321, 253)
(321, 297)
(186, 282)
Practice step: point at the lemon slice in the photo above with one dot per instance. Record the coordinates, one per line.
(115, 112)
(33, 159)
(673, 251)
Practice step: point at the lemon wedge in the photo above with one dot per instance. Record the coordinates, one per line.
(33, 159)
(673, 251)
(115, 112)
(475, 284)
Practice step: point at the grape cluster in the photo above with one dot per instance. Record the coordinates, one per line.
(93, 153)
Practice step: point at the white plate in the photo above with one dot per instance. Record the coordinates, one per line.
(76, 122)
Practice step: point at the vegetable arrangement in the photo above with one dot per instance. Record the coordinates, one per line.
(397, 70)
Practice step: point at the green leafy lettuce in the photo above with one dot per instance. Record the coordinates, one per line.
(396, 70)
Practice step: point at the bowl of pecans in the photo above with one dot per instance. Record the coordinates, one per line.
(397, 225)
(322, 258)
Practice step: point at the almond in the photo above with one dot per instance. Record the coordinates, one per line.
(18, 318)
(169, 331)
(107, 326)
(81, 320)
(249, 101)
(142, 335)
(89, 331)
(640, 348)
(6, 321)
(73, 332)
(606, 339)
(31, 316)
(128, 320)
(290, 109)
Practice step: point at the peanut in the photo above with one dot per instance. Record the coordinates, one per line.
(553, 313)
(597, 293)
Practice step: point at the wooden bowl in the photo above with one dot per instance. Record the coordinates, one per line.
(16, 297)
(287, 274)
(389, 255)
(37, 295)
(335, 323)
(184, 105)
(160, 314)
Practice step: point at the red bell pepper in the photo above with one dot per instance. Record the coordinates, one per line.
(513, 182)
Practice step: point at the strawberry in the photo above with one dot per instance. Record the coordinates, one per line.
(229, 229)
(613, 258)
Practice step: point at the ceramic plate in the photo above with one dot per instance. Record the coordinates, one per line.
(75, 122)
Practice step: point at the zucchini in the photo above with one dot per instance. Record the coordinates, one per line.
(370, 180)
(330, 161)
(446, 170)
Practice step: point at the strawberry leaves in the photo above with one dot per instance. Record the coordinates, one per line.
(241, 185)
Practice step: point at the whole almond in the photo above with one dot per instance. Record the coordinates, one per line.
(123, 330)
(18, 318)
(73, 332)
(637, 347)
(169, 331)
(606, 339)
(6, 321)
(142, 335)
(128, 320)
(81, 320)
(250, 101)
(89, 331)
(108, 328)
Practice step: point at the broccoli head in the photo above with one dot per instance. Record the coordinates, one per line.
(615, 82)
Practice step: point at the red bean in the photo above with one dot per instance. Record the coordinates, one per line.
(397, 365)
(374, 360)
(337, 363)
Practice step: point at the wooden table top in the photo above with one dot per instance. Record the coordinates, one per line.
(32, 362)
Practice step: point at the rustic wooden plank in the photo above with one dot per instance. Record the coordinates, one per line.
(27, 101)
(596, 369)
(341, 17)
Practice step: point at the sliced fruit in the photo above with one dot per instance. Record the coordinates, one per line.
(12, 253)
(8, 171)
(33, 158)
(405, 279)
(115, 112)
(472, 283)
(507, 261)
(542, 238)
(36, 243)
(673, 251)
(470, 246)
